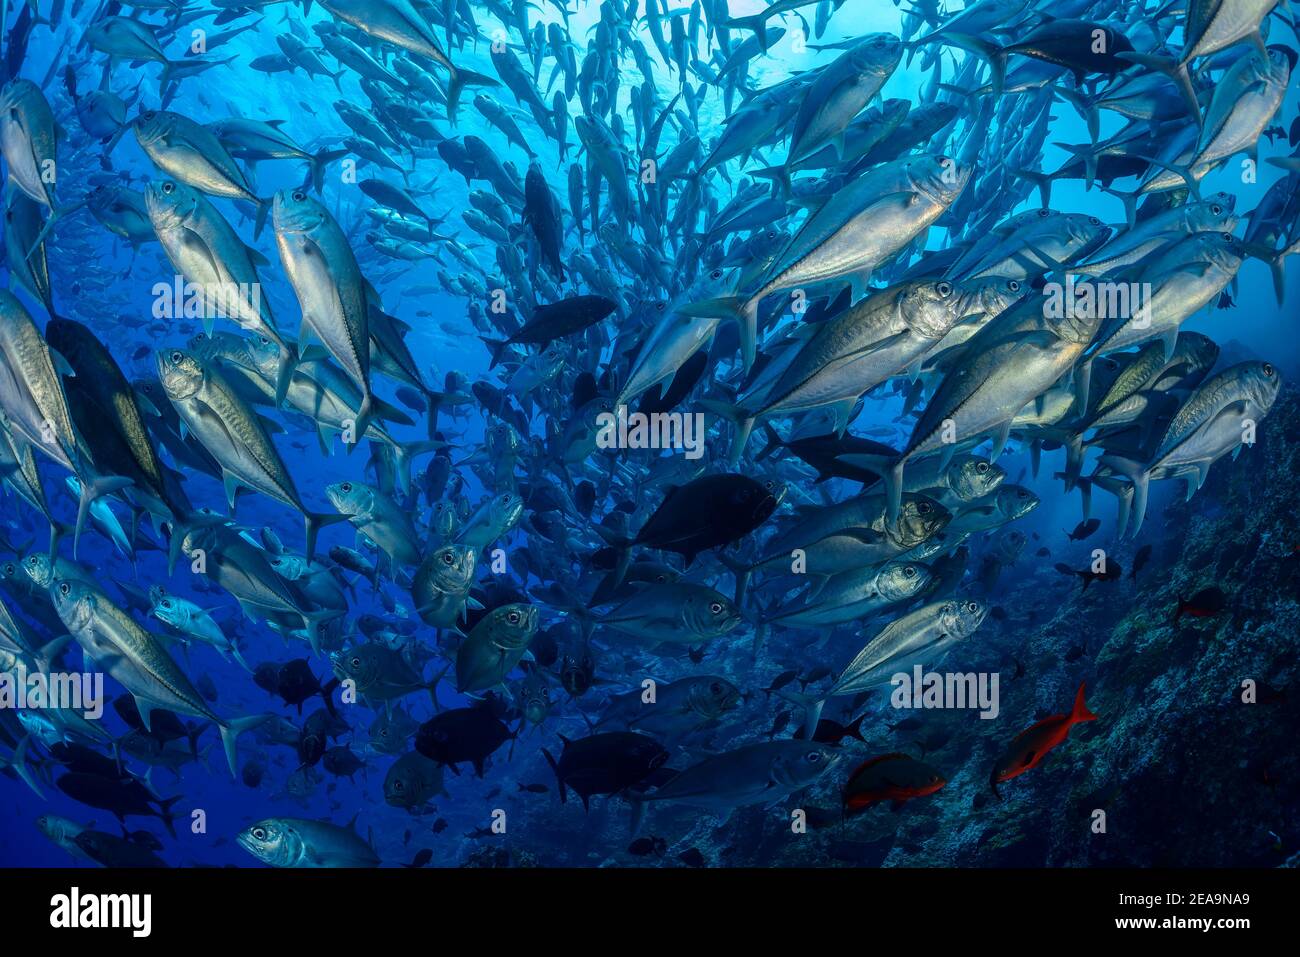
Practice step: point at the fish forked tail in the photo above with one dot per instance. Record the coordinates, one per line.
(55, 214)
(812, 709)
(318, 164)
(740, 309)
(165, 812)
(259, 218)
(1138, 474)
(496, 347)
(1274, 260)
(433, 687)
(555, 769)
(458, 80)
(18, 763)
(99, 486)
(742, 419)
(230, 732)
(1175, 71)
(314, 522)
(990, 53)
(1080, 713)
(1085, 105)
(623, 547)
(742, 573)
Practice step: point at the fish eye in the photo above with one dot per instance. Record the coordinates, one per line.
(356, 662)
(715, 608)
(1094, 220)
(982, 467)
(166, 603)
(972, 606)
(1216, 209)
(923, 508)
(446, 558)
(168, 187)
(1014, 285)
(259, 833)
(715, 688)
(1227, 237)
(814, 757)
(148, 115)
(346, 486)
(944, 288)
(513, 618)
(909, 571)
(716, 274)
(769, 485)
(177, 356)
(33, 561)
(298, 196)
(1268, 370)
(1044, 212)
(65, 589)
(398, 785)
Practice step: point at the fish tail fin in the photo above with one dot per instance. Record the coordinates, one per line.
(740, 309)
(1129, 198)
(555, 769)
(1175, 71)
(165, 812)
(433, 687)
(1274, 260)
(230, 733)
(1085, 105)
(1080, 711)
(285, 365)
(893, 478)
(259, 219)
(362, 421)
(312, 620)
(742, 573)
(623, 546)
(19, 765)
(55, 215)
(495, 347)
(319, 162)
(990, 53)
(773, 442)
(1041, 180)
(812, 709)
(99, 486)
(456, 86)
(1138, 474)
(742, 419)
(314, 522)
(755, 23)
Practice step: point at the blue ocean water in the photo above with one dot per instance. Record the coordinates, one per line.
(105, 284)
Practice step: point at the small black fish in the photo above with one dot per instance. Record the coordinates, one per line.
(1083, 530)
(534, 788)
(780, 681)
(1043, 552)
(1140, 560)
(692, 858)
(644, 846)
(817, 674)
(422, 857)
(439, 826)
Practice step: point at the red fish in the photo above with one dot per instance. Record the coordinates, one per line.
(890, 777)
(1032, 745)
(1206, 603)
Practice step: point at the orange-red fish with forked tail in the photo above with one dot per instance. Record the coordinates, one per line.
(1032, 745)
(890, 777)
